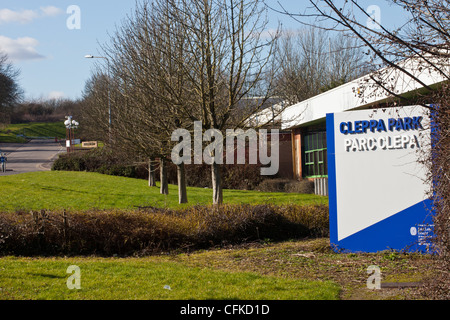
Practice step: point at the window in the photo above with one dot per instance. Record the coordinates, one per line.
(315, 155)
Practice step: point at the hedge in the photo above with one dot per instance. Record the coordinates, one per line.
(155, 230)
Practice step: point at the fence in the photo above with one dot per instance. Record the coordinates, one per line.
(321, 186)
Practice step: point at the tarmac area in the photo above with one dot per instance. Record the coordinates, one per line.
(36, 155)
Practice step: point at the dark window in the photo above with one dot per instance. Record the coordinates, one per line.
(315, 157)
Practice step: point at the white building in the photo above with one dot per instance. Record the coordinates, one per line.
(306, 119)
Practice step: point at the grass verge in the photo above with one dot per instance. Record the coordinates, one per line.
(153, 278)
(57, 190)
(297, 270)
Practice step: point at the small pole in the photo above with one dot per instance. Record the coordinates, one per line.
(66, 227)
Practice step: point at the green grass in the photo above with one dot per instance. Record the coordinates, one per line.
(146, 278)
(136, 278)
(56, 190)
(15, 132)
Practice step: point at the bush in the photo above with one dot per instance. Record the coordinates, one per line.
(302, 186)
(97, 160)
(287, 185)
(272, 185)
(154, 230)
(241, 177)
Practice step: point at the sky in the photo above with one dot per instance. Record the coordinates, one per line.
(47, 40)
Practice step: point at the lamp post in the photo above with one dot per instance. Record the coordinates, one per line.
(89, 56)
(70, 126)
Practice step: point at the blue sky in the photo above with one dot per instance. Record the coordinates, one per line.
(49, 52)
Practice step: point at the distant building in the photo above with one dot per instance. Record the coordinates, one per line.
(270, 118)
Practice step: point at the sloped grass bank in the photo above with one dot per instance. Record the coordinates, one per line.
(58, 190)
(18, 133)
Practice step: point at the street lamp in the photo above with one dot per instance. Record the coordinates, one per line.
(70, 125)
(90, 56)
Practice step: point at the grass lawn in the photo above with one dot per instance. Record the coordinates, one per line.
(10, 132)
(135, 278)
(151, 278)
(56, 190)
(290, 270)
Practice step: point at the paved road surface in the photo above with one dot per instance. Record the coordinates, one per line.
(36, 155)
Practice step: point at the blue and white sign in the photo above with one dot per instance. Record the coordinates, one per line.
(377, 189)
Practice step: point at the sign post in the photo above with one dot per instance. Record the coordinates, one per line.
(377, 184)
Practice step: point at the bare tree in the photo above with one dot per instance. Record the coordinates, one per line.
(312, 61)
(229, 61)
(10, 92)
(147, 59)
(181, 61)
(95, 107)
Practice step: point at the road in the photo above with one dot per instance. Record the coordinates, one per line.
(36, 155)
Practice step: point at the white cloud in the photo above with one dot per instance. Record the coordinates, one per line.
(51, 11)
(269, 33)
(24, 16)
(56, 95)
(20, 49)
(27, 16)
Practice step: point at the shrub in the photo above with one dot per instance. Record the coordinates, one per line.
(242, 177)
(97, 160)
(273, 185)
(154, 230)
(287, 185)
(303, 186)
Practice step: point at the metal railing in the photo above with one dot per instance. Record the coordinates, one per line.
(321, 186)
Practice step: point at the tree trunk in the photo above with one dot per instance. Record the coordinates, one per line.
(163, 176)
(216, 183)
(151, 173)
(182, 192)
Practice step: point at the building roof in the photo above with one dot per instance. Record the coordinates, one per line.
(364, 92)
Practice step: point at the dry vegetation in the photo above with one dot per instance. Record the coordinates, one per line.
(154, 230)
(313, 259)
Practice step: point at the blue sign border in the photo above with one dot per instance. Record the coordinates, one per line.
(332, 190)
